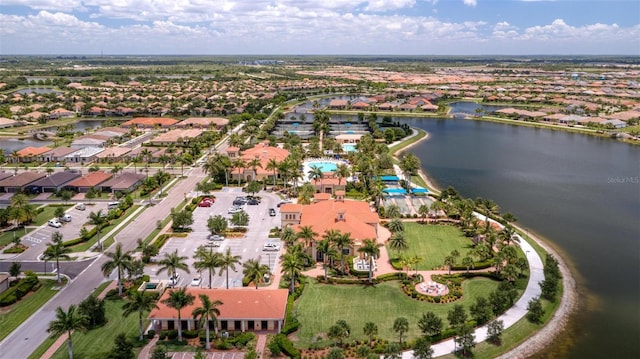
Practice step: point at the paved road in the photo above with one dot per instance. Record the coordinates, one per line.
(28, 336)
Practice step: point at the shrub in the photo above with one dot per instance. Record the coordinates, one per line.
(151, 333)
(224, 345)
(286, 346)
(172, 334)
(190, 334)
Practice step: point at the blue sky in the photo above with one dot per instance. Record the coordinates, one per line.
(388, 27)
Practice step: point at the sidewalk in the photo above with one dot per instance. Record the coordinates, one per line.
(63, 338)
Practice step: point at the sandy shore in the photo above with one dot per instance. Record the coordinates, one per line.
(545, 336)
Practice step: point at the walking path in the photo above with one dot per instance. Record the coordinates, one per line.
(63, 338)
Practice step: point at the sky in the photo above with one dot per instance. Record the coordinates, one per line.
(320, 27)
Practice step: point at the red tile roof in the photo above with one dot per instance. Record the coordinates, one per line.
(237, 304)
(91, 179)
(33, 151)
(151, 121)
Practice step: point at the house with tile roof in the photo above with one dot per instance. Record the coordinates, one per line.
(112, 154)
(54, 182)
(124, 182)
(242, 310)
(20, 182)
(83, 155)
(57, 154)
(88, 181)
(347, 216)
(28, 154)
(91, 140)
(261, 152)
(150, 122)
(204, 122)
(180, 137)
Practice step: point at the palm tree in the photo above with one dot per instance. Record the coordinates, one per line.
(161, 177)
(254, 164)
(118, 260)
(342, 171)
(288, 236)
(139, 302)
(307, 234)
(228, 261)
(398, 242)
(372, 249)
(67, 322)
(370, 330)
(56, 250)
(423, 211)
(171, 263)
(273, 164)
(315, 174)
(292, 263)
(207, 311)
(325, 246)
(401, 326)
(98, 220)
(409, 164)
(240, 164)
(207, 259)
(341, 242)
(177, 300)
(254, 271)
(449, 261)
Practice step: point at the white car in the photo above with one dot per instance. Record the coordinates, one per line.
(234, 209)
(66, 218)
(216, 237)
(54, 223)
(195, 282)
(271, 247)
(81, 206)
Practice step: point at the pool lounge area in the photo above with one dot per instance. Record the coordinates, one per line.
(325, 165)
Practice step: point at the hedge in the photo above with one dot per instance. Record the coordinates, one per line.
(286, 346)
(19, 290)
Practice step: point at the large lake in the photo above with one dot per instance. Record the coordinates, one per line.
(581, 193)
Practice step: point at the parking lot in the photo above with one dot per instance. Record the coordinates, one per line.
(216, 355)
(39, 238)
(250, 246)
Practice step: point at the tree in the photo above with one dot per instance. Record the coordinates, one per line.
(371, 249)
(161, 178)
(59, 212)
(465, 339)
(228, 261)
(393, 351)
(307, 234)
(535, 310)
(139, 302)
(171, 263)
(159, 352)
(370, 330)
(288, 236)
(341, 242)
(217, 224)
(335, 353)
(181, 219)
(177, 300)
(467, 262)
(342, 171)
(392, 211)
(273, 165)
(67, 322)
(423, 210)
(253, 187)
(401, 326)
(254, 271)
(207, 311)
(398, 242)
(14, 269)
(396, 225)
(120, 261)
(430, 324)
(481, 310)
(314, 174)
(422, 348)
(292, 264)
(240, 218)
(494, 331)
(93, 308)
(98, 219)
(449, 261)
(56, 250)
(409, 164)
(457, 316)
(207, 259)
(122, 349)
(339, 331)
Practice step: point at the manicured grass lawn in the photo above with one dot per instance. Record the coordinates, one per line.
(322, 305)
(100, 340)
(47, 214)
(11, 317)
(433, 242)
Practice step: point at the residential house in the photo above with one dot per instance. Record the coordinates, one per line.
(112, 154)
(83, 155)
(54, 182)
(61, 113)
(7, 122)
(242, 310)
(124, 182)
(180, 137)
(91, 140)
(338, 104)
(30, 153)
(57, 154)
(204, 122)
(261, 152)
(20, 182)
(150, 122)
(347, 216)
(88, 181)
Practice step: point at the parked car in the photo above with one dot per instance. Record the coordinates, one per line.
(195, 282)
(216, 237)
(234, 209)
(271, 247)
(66, 218)
(54, 223)
(81, 206)
(205, 203)
(173, 281)
(253, 202)
(239, 201)
(113, 205)
(272, 212)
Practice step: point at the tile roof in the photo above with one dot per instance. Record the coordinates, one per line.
(33, 151)
(123, 181)
(56, 179)
(21, 179)
(151, 121)
(237, 304)
(91, 179)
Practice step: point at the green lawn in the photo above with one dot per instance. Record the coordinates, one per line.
(433, 243)
(100, 340)
(322, 305)
(11, 317)
(47, 214)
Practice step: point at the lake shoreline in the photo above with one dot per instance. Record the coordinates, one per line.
(548, 334)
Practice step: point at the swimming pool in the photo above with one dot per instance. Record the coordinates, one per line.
(325, 166)
(349, 147)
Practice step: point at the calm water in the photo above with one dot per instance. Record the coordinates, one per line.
(582, 193)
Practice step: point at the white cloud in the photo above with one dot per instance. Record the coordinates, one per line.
(471, 3)
(388, 5)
